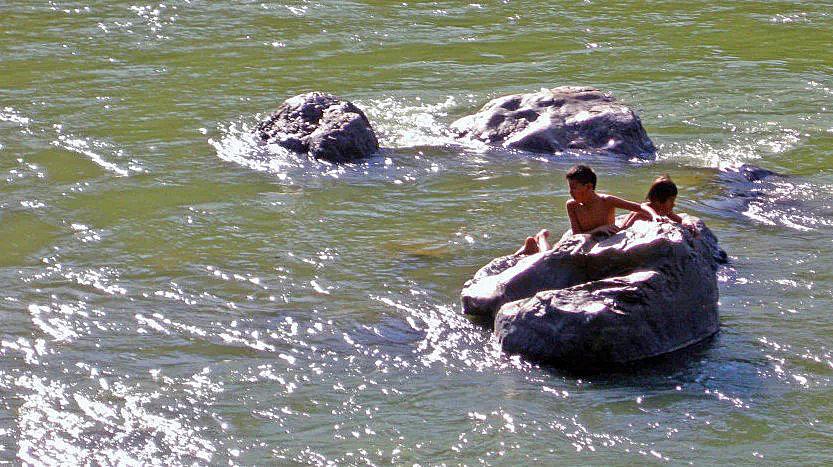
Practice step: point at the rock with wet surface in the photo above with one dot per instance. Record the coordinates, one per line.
(772, 198)
(559, 119)
(747, 181)
(749, 172)
(643, 292)
(321, 125)
(752, 192)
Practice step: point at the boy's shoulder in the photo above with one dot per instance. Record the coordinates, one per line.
(605, 197)
(572, 205)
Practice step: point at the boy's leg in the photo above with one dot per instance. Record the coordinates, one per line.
(541, 240)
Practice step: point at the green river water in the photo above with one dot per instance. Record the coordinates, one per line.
(171, 295)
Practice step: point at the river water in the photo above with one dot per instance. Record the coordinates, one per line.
(172, 295)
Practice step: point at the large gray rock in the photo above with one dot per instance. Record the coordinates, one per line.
(645, 291)
(559, 119)
(322, 126)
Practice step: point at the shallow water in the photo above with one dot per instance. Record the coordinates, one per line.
(172, 294)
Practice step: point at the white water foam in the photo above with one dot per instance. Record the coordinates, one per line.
(85, 146)
(9, 114)
(404, 123)
(799, 206)
(745, 145)
(93, 149)
(240, 145)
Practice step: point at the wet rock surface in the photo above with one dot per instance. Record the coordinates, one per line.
(748, 172)
(747, 181)
(771, 198)
(643, 292)
(559, 119)
(321, 125)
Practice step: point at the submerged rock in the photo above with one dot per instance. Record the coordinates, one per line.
(771, 198)
(645, 291)
(747, 181)
(749, 172)
(322, 126)
(559, 119)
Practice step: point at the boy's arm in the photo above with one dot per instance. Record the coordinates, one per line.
(571, 213)
(631, 206)
(647, 208)
(673, 217)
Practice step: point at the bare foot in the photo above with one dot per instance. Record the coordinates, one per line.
(541, 240)
(530, 247)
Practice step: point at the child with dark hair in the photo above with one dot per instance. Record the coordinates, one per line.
(581, 174)
(662, 195)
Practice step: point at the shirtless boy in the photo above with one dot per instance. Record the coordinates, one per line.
(590, 213)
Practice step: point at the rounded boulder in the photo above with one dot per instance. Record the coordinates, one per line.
(556, 120)
(322, 126)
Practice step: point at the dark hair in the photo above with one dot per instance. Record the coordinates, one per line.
(582, 174)
(662, 189)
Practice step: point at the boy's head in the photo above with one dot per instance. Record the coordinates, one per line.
(582, 182)
(582, 174)
(662, 190)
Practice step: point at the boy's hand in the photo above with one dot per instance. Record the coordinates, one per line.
(646, 208)
(691, 227)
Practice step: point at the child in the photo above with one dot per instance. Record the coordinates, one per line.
(661, 198)
(590, 213)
